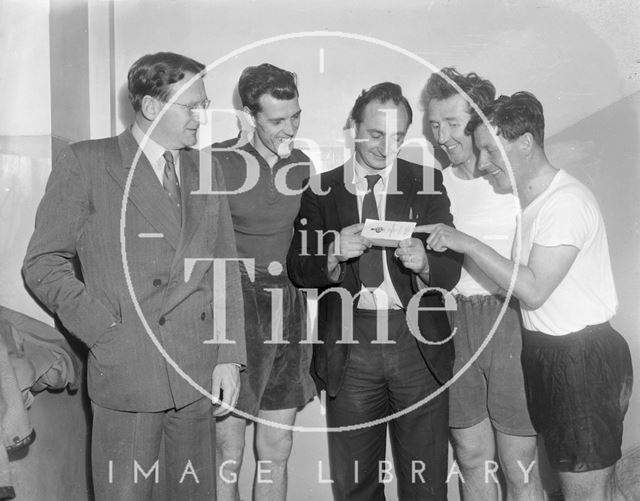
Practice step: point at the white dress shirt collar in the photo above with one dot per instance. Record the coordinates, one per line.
(359, 173)
(154, 152)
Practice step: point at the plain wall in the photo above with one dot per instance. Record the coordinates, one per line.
(25, 138)
(54, 467)
(24, 82)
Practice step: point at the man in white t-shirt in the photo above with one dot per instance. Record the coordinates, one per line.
(488, 414)
(577, 368)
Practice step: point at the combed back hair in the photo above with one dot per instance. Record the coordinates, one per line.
(513, 116)
(479, 90)
(153, 74)
(382, 92)
(265, 79)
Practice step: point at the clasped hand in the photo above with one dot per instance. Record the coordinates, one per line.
(351, 244)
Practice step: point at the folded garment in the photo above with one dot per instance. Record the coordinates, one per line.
(40, 354)
(15, 426)
(33, 356)
(14, 421)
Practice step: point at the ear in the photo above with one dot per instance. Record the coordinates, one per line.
(150, 108)
(526, 143)
(249, 115)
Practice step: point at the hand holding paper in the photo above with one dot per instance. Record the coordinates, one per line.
(386, 233)
(351, 243)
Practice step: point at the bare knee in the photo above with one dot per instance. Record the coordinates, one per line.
(230, 443)
(273, 444)
(519, 461)
(472, 450)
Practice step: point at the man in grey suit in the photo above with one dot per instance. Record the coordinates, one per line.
(149, 374)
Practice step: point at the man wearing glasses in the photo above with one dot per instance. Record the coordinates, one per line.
(138, 395)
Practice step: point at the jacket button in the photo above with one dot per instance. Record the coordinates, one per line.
(162, 320)
(157, 282)
(202, 316)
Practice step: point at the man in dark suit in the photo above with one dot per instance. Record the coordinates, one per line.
(366, 380)
(155, 343)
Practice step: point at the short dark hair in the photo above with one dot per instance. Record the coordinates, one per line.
(152, 74)
(382, 92)
(265, 79)
(480, 90)
(514, 116)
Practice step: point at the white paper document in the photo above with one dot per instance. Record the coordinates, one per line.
(387, 233)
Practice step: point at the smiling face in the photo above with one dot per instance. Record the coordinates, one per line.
(448, 119)
(380, 134)
(178, 127)
(491, 161)
(276, 124)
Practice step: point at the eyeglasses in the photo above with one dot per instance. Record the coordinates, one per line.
(195, 108)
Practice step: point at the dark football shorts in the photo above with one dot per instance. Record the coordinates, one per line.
(493, 386)
(277, 374)
(578, 388)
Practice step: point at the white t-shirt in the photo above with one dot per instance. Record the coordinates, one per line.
(567, 213)
(486, 215)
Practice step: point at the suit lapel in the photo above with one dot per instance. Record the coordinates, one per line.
(346, 203)
(346, 211)
(199, 218)
(398, 208)
(399, 204)
(193, 206)
(145, 192)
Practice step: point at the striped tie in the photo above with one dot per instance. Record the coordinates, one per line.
(170, 182)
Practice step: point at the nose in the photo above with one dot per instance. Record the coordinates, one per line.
(483, 160)
(381, 145)
(389, 147)
(443, 134)
(289, 128)
(201, 116)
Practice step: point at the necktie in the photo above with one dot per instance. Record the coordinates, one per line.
(370, 267)
(170, 182)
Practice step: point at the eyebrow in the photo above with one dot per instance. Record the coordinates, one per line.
(383, 133)
(193, 102)
(284, 118)
(444, 119)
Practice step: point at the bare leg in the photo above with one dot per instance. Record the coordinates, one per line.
(229, 451)
(474, 449)
(273, 445)
(597, 485)
(627, 474)
(519, 461)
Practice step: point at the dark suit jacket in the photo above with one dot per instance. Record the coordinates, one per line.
(79, 215)
(308, 268)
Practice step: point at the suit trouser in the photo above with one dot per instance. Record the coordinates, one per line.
(382, 379)
(126, 446)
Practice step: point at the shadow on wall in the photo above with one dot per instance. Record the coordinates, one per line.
(602, 151)
(541, 47)
(126, 115)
